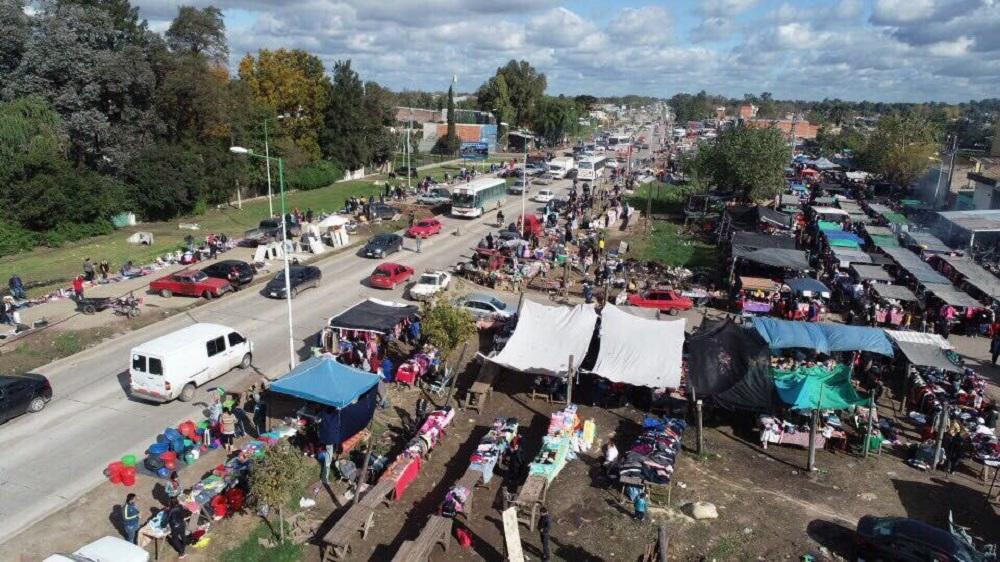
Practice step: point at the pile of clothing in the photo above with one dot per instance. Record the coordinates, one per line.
(654, 453)
(430, 432)
(493, 446)
(418, 365)
(454, 501)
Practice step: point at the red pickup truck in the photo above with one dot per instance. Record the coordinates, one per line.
(662, 300)
(191, 283)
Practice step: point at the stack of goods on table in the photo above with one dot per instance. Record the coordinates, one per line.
(566, 434)
(933, 389)
(493, 446)
(403, 471)
(454, 501)
(418, 365)
(651, 458)
(221, 490)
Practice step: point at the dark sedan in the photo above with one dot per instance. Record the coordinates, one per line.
(384, 212)
(23, 393)
(382, 245)
(238, 273)
(301, 276)
(909, 540)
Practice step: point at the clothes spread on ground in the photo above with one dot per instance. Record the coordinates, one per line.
(651, 458)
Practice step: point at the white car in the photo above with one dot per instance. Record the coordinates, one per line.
(107, 549)
(544, 196)
(430, 284)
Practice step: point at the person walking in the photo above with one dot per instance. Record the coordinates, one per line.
(177, 522)
(419, 241)
(544, 526)
(227, 427)
(173, 487)
(130, 519)
(326, 455)
(995, 347)
(88, 269)
(105, 269)
(16, 287)
(640, 506)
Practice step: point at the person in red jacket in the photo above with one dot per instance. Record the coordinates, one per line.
(78, 287)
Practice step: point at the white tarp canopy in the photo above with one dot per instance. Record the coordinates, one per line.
(546, 336)
(334, 221)
(639, 351)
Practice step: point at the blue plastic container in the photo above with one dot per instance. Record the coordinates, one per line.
(158, 448)
(171, 433)
(177, 445)
(163, 472)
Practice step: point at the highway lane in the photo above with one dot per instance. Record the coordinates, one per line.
(57, 455)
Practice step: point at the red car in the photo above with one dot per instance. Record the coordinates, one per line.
(425, 228)
(663, 300)
(388, 275)
(192, 283)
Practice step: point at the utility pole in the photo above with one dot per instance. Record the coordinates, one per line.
(569, 382)
(408, 150)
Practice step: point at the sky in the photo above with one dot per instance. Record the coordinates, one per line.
(879, 50)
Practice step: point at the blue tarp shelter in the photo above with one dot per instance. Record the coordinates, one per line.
(821, 336)
(843, 235)
(807, 286)
(347, 395)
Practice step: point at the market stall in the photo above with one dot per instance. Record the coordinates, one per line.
(639, 351)
(546, 337)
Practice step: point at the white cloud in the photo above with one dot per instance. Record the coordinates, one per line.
(890, 12)
(648, 25)
(956, 48)
(727, 8)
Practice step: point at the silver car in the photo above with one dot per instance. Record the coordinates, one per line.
(485, 307)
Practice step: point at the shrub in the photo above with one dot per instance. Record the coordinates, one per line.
(14, 239)
(69, 232)
(314, 176)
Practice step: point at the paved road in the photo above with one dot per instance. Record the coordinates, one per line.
(56, 456)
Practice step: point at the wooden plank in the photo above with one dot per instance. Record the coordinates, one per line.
(663, 541)
(512, 536)
(376, 495)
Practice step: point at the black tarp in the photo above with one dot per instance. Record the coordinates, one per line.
(776, 218)
(730, 363)
(754, 392)
(373, 316)
(743, 218)
(778, 257)
(747, 242)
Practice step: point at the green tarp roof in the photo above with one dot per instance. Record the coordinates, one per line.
(843, 243)
(884, 241)
(807, 388)
(829, 225)
(896, 218)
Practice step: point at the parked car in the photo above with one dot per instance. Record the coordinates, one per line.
(571, 174)
(430, 284)
(173, 365)
(909, 540)
(435, 196)
(237, 272)
(382, 245)
(302, 277)
(384, 212)
(106, 549)
(268, 231)
(23, 393)
(519, 185)
(662, 300)
(425, 228)
(485, 307)
(388, 275)
(544, 196)
(192, 283)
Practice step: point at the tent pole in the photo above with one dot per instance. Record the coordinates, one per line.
(812, 439)
(451, 383)
(364, 463)
(701, 442)
(872, 408)
(941, 422)
(569, 382)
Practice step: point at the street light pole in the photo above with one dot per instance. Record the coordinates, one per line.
(524, 188)
(267, 160)
(284, 245)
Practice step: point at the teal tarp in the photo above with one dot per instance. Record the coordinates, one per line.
(808, 388)
(324, 381)
(821, 336)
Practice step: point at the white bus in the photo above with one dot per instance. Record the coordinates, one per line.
(474, 198)
(619, 142)
(591, 168)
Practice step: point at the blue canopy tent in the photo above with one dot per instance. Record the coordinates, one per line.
(808, 286)
(821, 336)
(843, 235)
(348, 396)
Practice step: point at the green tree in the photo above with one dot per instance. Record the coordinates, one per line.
(273, 480)
(199, 32)
(900, 148)
(14, 29)
(750, 160)
(445, 325)
(345, 119)
(585, 102)
(554, 118)
(166, 180)
(525, 86)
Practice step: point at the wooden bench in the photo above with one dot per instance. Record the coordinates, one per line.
(379, 494)
(337, 542)
(436, 531)
(470, 480)
(530, 499)
(477, 396)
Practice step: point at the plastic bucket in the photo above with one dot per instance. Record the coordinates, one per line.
(163, 472)
(170, 464)
(158, 448)
(128, 478)
(171, 434)
(115, 472)
(177, 445)
(129, 460)
(168, 456)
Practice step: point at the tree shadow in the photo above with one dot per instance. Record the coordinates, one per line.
(931, 501)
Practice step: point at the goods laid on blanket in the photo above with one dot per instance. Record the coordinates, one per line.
(493, 446)
(774, 430)
(423, 363)
(567, 435)
(652, 457)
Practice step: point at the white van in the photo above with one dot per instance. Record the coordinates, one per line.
(172, 366)
(559, 167)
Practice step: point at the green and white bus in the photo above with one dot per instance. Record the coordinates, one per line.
(478, 196)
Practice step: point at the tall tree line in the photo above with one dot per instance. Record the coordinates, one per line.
(98, 115)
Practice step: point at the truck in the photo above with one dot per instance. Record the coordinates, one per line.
(559, 167)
